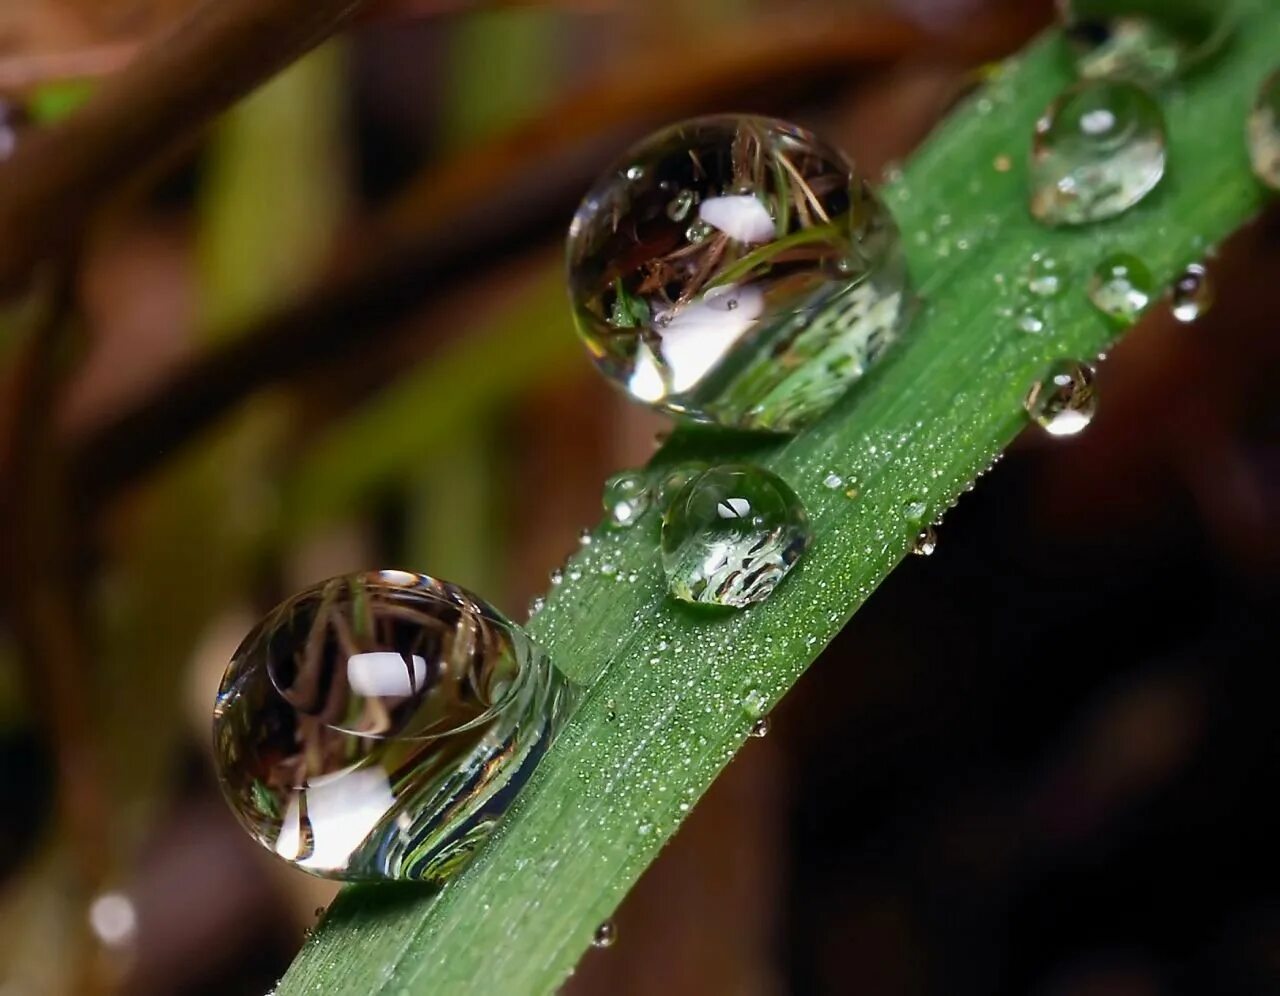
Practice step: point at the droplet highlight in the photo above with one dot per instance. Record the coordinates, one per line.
(376, 726)
(1098, 150)
(1121, 287)
(1193, 294)
(1064, 402)
(731, 535)
(747, 279)
(1264, 132)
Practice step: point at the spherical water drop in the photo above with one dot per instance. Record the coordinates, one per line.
(1098, 151)
(536, 605)
(1043, 279)
(605, 936)
(1192, 294)
(1264, 132)
(585, 538)
(755, 703)
(376, 726)
(926, 542)
(556, 577)
(787, 285)
(1121, 287)
(833, 481)
(1148, 41)
(626, 497)
(1064, 403)
(760, 728)
(1030, 322)
(731, 535)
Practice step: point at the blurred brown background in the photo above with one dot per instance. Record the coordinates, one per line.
(329, 333)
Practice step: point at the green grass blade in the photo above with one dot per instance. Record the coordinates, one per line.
(666, 710)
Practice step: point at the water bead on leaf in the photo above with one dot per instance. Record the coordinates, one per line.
(1264, 132)
(626, 497)
(1099, 149)
(1192, 295)
(1148, 41)
(1064, 403)
(1121, 287)
(746, 278)
(376, 726)
(730, 536)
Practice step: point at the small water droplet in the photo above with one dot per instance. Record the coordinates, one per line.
(1098, 151)
(760, 728)
(556, 577)
(915, 509)
(1143, 41)
(635, 173)
(1030, 322)
(926, 542)
(731, 535)
(833, 481)
(113, 917)
(1192, 295)
(626, 497)
(1264, 132)
(681, 297)
(605, 936)
(584, 538)
(536, 605)
(1043, 278)
(1065, 402)
(755, 703)
(1120, 287)
(322, 719)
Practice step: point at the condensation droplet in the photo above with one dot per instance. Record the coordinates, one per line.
(760, 728)
(833, 481)
(377, 725)
(605, 936)
(1121, 287)
(626, 497)
(926, 542)
(1192, 294)
(1098, 150)
(730, 536)
(1064, 403)
(1264, 132)
(755, 296)
(755, 703)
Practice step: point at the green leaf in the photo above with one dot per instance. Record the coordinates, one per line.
(673, 692)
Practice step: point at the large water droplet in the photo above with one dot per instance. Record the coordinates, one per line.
(626, 497)
(1098, 151)
(376, 726)
(1192, 294)
(731, 535)
(787, 285)
(1065, 402)
(1149, 41)
(1264, 132)
(1120, 287)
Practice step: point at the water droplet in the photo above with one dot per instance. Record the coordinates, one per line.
(755, 703)
(789, 284)
(605, 936)
(1043, 278)
(556, 577)
(113, 918)
(1064, 403)
(536, 605)
(634, 173)
(375, 726)
(1141, 40)
(833, 481)
(1121, 287)
(585, 537)
(1098, 151)
(1192, 294)
(1264, 132)
(731, 535)
(926, 542)
(626, 497)
(1031, 322)
(674, 478)
(760, 728)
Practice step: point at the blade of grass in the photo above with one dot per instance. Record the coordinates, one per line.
(666, 710)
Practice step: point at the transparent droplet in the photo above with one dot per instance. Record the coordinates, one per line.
(781, 285)
(754, 702)
(626, 497)
(760, 728)
(1192, 294)
(1264, 132)
(1148, 41)
(605, 936)
(1043, 278)
(1098, 151)
(536, 605)
(833, 481)
(1064, 403)
(926, 542)
(731, 535)
(1030, 321)
(376, 726)
(1121, 287)
(671, 480)
(585, 538)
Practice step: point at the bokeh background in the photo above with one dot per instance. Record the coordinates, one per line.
(330, 333)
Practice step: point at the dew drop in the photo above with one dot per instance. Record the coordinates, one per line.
(605, 936)
(754, 702)
(833, 481)
(1264, 132)
(755, 296)
(1098, 151)
(760, 728)
(1192, 294)
(585, 538)
(361, 710)
(926, 542)
(1043, 278)
(1064, 403)
(626, 497)
(1120, 287)
(556, 577)
(731, 535)
(536, 605)
(1031, 322)
(1141, 40)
